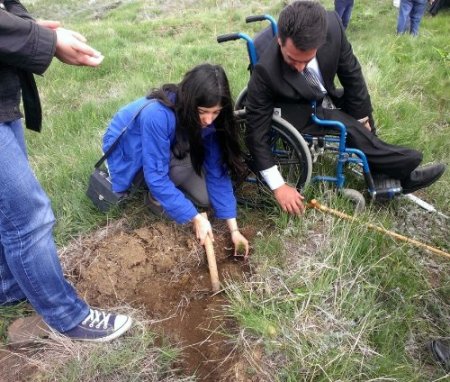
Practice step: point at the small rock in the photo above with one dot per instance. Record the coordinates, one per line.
(27, 330)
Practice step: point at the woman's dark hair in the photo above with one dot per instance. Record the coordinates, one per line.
(305, 23)
(205, 85)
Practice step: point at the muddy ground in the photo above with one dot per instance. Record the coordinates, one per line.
(161, 270)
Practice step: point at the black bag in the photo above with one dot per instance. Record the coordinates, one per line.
(100, 186)
(101, 193)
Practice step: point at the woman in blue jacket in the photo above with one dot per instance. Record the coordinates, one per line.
(185, 140)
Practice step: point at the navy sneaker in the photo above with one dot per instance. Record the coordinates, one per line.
(100, 326)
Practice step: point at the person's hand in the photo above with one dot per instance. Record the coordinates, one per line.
(72, 49)
(77, 35)
(55, 25)
(50, 24)
(239, 241)
(367, 126)
(202, 228)
(366, 123)
(289, 199)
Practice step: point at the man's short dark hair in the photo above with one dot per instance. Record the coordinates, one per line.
(305, 23)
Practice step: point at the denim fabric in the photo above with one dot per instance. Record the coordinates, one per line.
(410, 12)
(344, 10)
(29, 264)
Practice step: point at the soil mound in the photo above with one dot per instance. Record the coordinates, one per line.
(162, 269)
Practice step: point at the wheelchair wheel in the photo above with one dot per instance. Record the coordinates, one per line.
(355, 197)
(239, 104)
(291, 155)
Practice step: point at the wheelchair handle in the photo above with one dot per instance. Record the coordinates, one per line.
(252, 19)
(250, 45)
(273, 23)
(228, 37)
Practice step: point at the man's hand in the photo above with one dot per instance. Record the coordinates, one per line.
(50, 24)
(72, 49)
(366, 123)
(289, 199)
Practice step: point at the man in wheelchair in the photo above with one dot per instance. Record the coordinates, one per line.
(299, 66)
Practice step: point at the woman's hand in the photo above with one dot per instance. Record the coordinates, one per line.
(240, 243)
(202, 228)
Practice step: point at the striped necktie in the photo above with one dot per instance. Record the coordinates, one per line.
(314, 83)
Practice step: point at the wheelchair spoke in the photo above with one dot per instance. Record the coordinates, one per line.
(290, 154)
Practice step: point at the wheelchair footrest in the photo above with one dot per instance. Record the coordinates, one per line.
(386, 188)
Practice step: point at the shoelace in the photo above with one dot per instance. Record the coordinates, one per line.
(97, 317)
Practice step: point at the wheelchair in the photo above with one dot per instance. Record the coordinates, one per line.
(295, 153)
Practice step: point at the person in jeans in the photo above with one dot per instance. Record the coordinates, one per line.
(185, 140)
(410, 13)
(344, 9)
(29, 265)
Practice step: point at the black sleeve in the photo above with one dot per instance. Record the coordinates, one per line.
(23, 43)
(15, 7)
(259, 108)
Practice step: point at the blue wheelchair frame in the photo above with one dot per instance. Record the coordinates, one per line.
(330, 142)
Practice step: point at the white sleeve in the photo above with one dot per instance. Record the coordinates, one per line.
(272, 177)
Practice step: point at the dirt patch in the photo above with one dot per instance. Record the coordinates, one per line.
(162, 269)
(14, 365)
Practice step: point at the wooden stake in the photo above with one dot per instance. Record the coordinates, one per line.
(315, 204)
(212, 265)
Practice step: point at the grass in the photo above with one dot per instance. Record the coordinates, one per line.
(329, 299)
(133, 358)
(344, 304)
(146, 44)
(10, 313)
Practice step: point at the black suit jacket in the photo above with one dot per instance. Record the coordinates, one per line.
(25, 48)
(273, 83)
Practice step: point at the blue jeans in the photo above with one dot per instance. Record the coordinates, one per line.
(412, 11)
(29, 264)
(344, 10)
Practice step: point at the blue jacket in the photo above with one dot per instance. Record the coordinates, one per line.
(147, 144)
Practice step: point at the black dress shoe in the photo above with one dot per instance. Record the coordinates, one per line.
(422, 177)
(441, 353)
